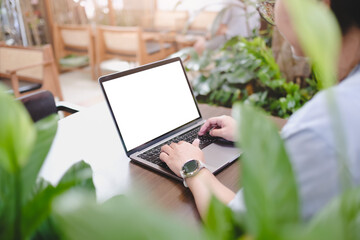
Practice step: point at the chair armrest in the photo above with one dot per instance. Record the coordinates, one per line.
(13, 71)
(68, 107)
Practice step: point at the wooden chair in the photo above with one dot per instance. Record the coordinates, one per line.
(161, 21)
(74, 39)
(129, 44)
(201, 23)
(42, 104)
(29, 69)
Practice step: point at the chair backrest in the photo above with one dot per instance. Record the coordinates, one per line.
(39, 104)
(203, 21)
(31, 65)
(128, 44)
(121, 39)
(125, 42)
(170, 20)
(14, 57)
(73, 36)
(76, 39)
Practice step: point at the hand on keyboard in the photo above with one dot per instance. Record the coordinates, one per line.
(153, 155)
(176, 155)
(223, 127)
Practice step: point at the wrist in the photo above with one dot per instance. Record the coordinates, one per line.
(190, 169)
(200, 178)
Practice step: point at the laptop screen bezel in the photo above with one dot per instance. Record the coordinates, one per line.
(118, 75)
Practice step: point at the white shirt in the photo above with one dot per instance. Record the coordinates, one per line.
(313, 148)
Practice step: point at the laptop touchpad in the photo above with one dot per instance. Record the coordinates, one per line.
(218, 155)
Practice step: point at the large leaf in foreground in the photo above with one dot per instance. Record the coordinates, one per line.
(39, 208)
(46, 130)
(319, 35)
(340, 219)
(17, 136)
(221, 222)
(17, 133)
(269, 185)
(7, 204)
(118, 218)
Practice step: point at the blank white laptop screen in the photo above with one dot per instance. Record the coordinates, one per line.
(150, 103)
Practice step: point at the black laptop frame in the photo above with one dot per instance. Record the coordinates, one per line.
(117, 75)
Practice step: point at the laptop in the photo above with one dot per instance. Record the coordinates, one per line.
(153, 105)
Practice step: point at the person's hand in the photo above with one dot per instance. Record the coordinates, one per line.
(223, 126)
(176, 155)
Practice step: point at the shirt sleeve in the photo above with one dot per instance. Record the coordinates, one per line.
(238, 204)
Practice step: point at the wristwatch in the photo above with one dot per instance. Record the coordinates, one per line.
(190, 169)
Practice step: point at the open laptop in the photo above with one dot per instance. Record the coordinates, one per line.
(153, 105)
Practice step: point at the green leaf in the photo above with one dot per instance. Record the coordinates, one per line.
(201, 85)
(17, 136)
(17, 133)
(7, 204)
(231, 42)
(269, 185)
(79, 175)
(340, 219)
(46, 130)
(320, 37)
(39, 207)
(221, 222)
(118, 218)
(47, 230)
(241, 76)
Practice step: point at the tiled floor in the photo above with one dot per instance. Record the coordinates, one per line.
(78, 87)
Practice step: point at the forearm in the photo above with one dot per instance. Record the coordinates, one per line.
(203, 186)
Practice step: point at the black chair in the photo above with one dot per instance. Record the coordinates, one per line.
(42, 104)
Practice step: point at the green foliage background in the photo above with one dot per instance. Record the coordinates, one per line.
(245, 70)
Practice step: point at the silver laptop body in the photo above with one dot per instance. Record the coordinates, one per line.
(153, 104)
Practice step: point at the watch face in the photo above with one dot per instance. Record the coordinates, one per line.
(190, 166)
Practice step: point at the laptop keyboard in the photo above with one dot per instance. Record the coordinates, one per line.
(153, 154)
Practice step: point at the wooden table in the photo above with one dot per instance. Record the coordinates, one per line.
(91, 135)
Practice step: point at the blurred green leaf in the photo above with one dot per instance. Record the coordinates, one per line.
(46, 130)
(79, 175)
(340, 219)
(270, 190)
(320, 37)
(221, 222)
(120, 218)
(17, 136)
(39, 207)
(47, 230)
(17, 133)
(7, 204)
